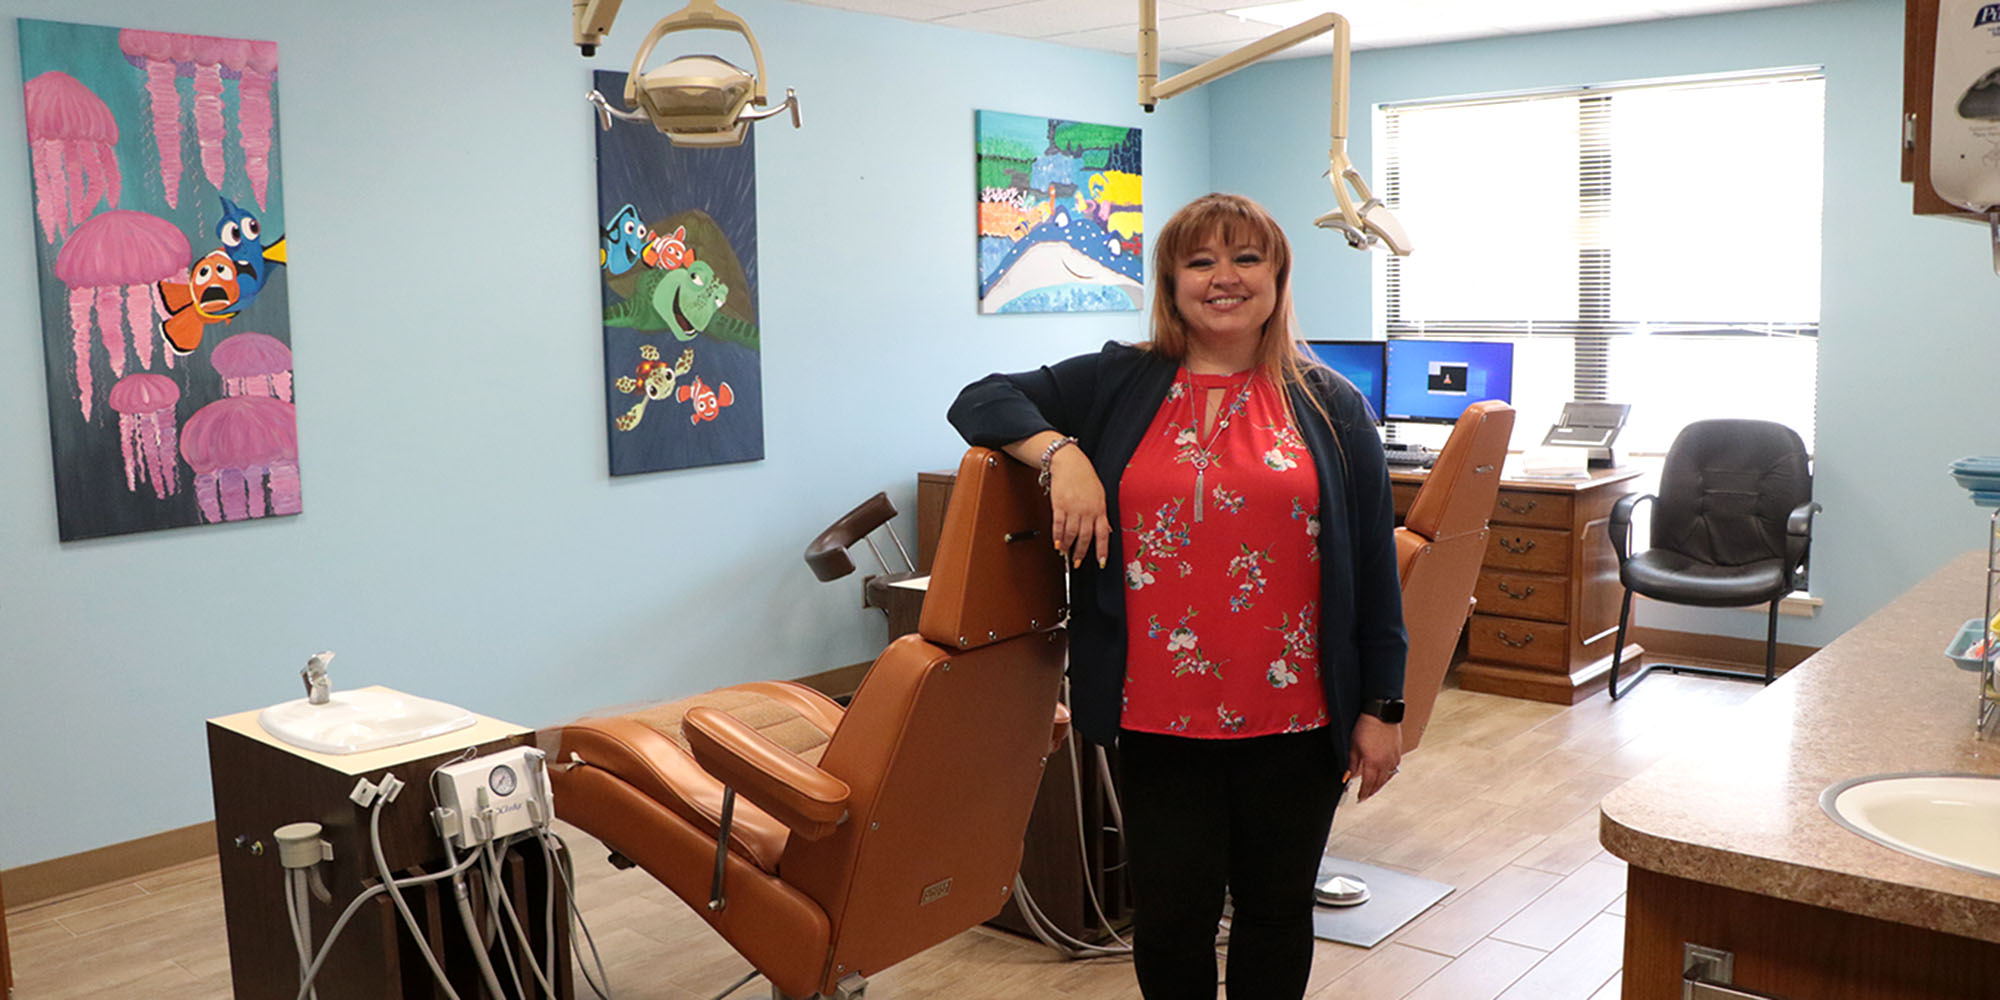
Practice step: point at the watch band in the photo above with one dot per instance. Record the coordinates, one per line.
(1389, 710)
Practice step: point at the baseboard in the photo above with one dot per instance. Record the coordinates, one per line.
(1701, 648)
(74, 873)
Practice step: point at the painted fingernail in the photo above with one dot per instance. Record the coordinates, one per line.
(1100, 562)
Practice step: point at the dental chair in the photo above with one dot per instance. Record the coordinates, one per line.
(826, 844)
(1439, 549)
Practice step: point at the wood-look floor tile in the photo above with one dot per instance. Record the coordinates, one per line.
(1579, 968)
(56, 909)
(1480, 974)
(1569, 848)
(1612, 990)
(208, 870)
(1389, 972)
(1490, 849)
(1560, 912)
(1452, 930)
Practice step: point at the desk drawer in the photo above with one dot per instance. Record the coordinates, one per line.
(1536, 510)
(1523, 595)
(1530, 550)
(1516, 640)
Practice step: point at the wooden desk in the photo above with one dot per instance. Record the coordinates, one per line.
(1548, 590)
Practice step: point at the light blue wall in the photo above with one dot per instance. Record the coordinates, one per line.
(1907, 348)
(461, 536)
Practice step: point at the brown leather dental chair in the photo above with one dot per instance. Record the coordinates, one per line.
(851, 840)
(1439, 549)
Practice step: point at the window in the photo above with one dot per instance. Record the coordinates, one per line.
(1652, 243)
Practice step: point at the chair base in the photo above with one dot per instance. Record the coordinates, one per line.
(1619, 691)
(850, 987)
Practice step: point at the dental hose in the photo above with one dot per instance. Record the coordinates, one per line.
(464, 897)
(340, 924)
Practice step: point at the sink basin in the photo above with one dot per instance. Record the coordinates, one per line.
(1952, 819)
(360, 720)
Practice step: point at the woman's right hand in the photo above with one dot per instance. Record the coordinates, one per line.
(1076, 498)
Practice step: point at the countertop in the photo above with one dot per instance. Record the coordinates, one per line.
(1739, 806)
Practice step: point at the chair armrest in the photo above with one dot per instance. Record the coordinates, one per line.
(1798, 536)
(806, 799)
(1621, 523)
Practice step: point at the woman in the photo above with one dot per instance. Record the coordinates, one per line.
(1236, 625)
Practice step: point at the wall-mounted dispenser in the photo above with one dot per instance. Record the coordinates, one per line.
(1965, 110)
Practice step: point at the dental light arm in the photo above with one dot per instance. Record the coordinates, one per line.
(1365, 224)
(591, 20)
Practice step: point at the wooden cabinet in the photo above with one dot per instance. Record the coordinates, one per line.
(1920, 18)
(1548, 590)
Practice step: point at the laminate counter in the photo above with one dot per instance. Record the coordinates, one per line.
(1737, 809)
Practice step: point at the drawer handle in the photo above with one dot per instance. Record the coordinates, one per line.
(1526, 592)
(1518, 546)
(1507, 504)
(1525, 639)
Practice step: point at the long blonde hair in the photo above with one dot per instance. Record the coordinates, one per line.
(1236, 220)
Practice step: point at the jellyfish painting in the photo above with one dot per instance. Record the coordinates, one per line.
(72, 137)
(110, 263)
(207, 61)
(240, 448)
(254, 364)
(145, 405)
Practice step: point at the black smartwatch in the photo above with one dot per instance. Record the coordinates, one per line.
(1389, 710)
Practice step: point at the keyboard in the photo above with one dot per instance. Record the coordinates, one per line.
(1412, 456)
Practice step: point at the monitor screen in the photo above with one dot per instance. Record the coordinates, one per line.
(1433, 381)
(1359, 360)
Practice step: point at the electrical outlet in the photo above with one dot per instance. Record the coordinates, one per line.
(488, 797)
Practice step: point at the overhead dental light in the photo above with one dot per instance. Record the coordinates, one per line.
(1361, 217)
(695, 100)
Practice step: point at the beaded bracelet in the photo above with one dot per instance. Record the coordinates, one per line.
(1049, 454)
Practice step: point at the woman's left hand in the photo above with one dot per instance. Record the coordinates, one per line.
(1376, 751)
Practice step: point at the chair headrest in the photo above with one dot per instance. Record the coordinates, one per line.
(996, 574)
(1469, 468)
(827, 555)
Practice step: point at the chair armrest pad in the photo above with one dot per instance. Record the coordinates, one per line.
(806, 799)
(1621, 523)
(1800, 522)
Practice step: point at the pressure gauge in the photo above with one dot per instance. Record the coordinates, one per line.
(503, 781)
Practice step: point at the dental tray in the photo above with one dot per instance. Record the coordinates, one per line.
(1968, 635)
(1981, 475)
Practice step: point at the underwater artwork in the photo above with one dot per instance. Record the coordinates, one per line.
(683, 361)
(159, 224)
(1061, 226)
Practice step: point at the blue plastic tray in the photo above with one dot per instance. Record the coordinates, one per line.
(1978, 465)
(1962, 643)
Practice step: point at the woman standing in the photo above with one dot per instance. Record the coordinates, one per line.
(1236, 624)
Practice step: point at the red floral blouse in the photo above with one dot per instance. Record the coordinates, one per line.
(1222, 587)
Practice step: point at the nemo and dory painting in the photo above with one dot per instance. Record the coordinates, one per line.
(677, 255)
(160, 254)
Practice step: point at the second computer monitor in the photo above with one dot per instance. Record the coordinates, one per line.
(1433, 381)
(1361, 362)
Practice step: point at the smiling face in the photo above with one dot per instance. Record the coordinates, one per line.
(1225, 290)
(688, 297)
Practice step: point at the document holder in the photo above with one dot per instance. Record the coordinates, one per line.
(1592, 426)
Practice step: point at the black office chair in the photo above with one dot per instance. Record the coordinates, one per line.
(1732, 527)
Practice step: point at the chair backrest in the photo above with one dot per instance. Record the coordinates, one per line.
(1439, 549)
(1727, 488)
(943, 744)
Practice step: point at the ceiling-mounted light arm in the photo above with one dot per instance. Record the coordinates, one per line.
(590, 21)
(1365, 224)
(698, 15)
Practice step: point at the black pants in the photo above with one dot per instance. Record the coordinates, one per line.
(1249, 817)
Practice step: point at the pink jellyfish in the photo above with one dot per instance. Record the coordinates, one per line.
(159, 54)
(113, 261)
(73, 138)
(207, 61)
(254, 364)
(145, 405)
(238, 447)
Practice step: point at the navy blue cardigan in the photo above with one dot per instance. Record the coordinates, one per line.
(1107, 400)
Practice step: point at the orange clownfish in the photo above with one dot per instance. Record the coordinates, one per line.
(668, 252)
(707, 402)
(209, 294)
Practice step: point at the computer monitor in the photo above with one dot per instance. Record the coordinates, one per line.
(1433, 381)
(1361, 361)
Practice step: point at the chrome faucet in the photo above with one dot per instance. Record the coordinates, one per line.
(319, 687)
